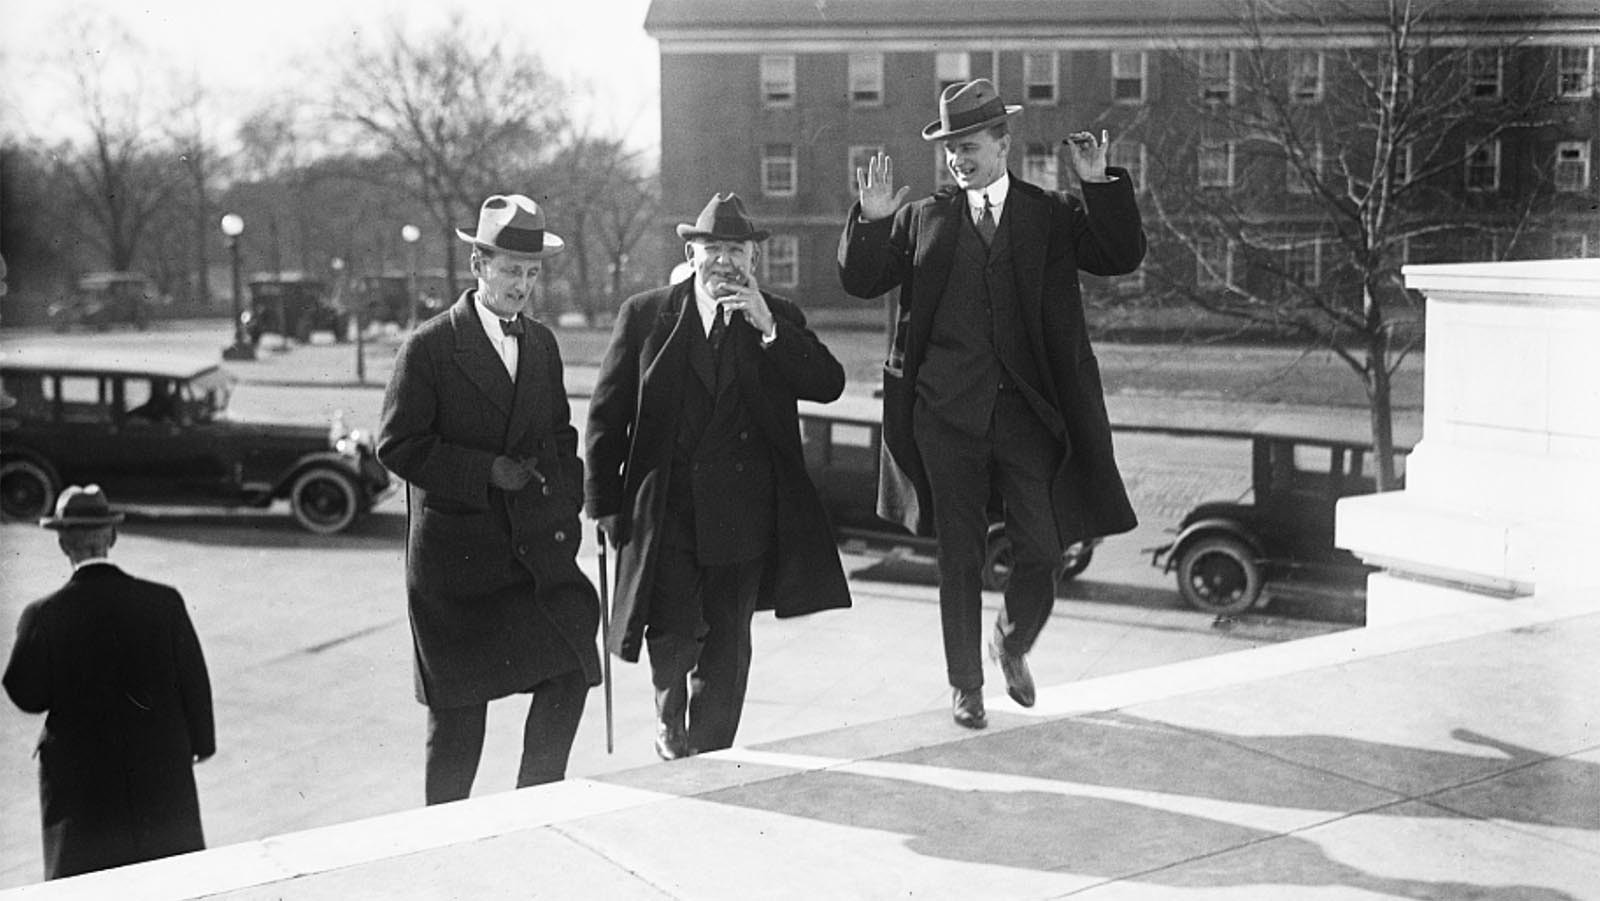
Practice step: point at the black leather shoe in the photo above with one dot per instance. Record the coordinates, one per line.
(1019, 681)
(671, 744)
(966, 705)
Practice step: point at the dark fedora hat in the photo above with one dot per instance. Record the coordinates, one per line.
(966, 107)
(81, 507)
(723, 219)
(512, 223)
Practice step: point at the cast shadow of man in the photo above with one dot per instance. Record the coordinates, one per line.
(1119, 797)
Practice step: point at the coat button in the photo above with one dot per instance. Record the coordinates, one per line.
(522, 550)
(744, 435)
(545, 490)
(738, 467)
(561, 536)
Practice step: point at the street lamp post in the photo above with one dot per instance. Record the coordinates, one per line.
(337, 265)
(241, 348)
(411, 234)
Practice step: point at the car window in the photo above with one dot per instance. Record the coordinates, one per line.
(81, 398)
(27, 389)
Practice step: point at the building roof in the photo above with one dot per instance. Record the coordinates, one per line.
(693, 20)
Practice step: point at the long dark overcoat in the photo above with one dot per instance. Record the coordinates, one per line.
(496, 598)
(632, 425)
(115, 663)
(1053, 236)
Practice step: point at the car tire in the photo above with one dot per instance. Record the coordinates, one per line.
(1219, 574)
(324, 501)
(27, 490)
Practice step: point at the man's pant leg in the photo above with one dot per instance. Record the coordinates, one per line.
(719, 680)
(674, 630)
(958, 472)
(553, 715)
(455, 743)
(1026, 458)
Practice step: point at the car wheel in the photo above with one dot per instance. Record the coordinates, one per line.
(27, 490)
(324, 501)
(1075, 559)
(1219, 575)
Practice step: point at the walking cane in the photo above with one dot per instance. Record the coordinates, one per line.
(605, 635)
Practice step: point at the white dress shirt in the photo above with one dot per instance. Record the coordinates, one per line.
(707, 307)
(996, 192)
(505, 345)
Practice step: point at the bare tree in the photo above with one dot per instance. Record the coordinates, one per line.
(461, 114)
(605, 205)
(1307, 174)
(198, 161)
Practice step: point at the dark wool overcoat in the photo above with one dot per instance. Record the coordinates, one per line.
(115, 664)
(496, 598)
(633, 423)
(1053, 235)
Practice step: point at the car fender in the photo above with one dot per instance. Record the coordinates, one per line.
(16, 452)
(321, 459)
(1202, 528)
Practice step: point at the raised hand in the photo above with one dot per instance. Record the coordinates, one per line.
(875, 185)
(1088, 155)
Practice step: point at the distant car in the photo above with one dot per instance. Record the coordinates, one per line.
(100, 300)
(293, 305)
(156, 431)
(842, 441)
(388, 296)
(1228, 555)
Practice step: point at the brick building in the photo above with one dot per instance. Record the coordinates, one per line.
(779, 100)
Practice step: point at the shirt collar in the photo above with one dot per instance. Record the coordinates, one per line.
(92, 561)
(996, 191)
(491, 321)
(704, 304)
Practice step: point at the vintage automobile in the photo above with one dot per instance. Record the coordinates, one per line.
(303, 302)
(841, 442)
(156, 431)
(1229, 555)
(100, 300)
(387, 297)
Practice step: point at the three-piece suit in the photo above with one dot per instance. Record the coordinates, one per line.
(991, 361)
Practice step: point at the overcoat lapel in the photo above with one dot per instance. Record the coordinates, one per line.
(1025, 233)
(476, 358)
(937, 253)
(668, 343)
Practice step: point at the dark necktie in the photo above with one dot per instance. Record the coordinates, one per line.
(986, 224)
(719, 327)
(512, 327)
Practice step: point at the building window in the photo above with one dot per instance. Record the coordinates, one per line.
(941, 169)
(1128, 76)
(1295, 175)
(1216, 164)
(951, 68)
(1570, 245)
(1216, 75)
(1575, 72)
(1039, 166)
(1480, 247)
(1305, 76)
(777, 80)
(780, 261)
(1484, 74)
(866, 79)
(1483, 167)
(1572, 166)
(860, 156)
(1213, 262)
(1039, 77)
(1130, 156)
(778, 170)
(1302, 260)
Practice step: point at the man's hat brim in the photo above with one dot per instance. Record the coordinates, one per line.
(80, 522)
(552, 244)
(688, 232)
(934, 130)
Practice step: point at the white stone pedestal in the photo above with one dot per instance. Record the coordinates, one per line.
(1502, 495)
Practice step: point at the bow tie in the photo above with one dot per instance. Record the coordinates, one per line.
(512, 326)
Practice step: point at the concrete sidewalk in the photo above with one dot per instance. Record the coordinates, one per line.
(1446, 758)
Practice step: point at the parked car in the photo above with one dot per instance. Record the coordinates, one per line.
(100, 300)
(304, 303)
(387, 296)
(1228, 555)
(842, 441)
(156, 430)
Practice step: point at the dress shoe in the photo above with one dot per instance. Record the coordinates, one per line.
(671, 743)
(1019, 681)
(966, 705)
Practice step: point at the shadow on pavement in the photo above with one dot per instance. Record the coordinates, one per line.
(1122, 797)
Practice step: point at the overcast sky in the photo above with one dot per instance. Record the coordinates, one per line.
(248, 51)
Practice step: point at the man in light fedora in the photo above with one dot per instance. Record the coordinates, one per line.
(114, 663)
(991, 387)
(476, 421)
(696, 476)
